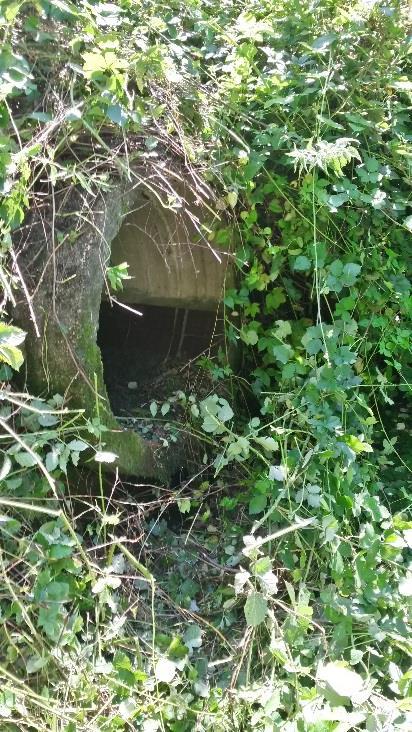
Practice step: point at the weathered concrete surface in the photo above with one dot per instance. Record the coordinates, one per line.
(170, 263)
(63, 251)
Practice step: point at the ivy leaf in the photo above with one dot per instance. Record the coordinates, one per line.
(255, 609)
(283, 329)
(314, 347)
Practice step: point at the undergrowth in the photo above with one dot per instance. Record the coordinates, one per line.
(272, 589)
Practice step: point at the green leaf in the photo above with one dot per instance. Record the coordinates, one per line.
(57, 592)
(106, 582)
(51, 620)
(268, 443)
(225, 412)
(356, 444)
(193, 637)
(5, 468)
(77, 445)
(10, 338)
(314, 346)
(274, 298)
(262, 565)
(302, 264)
(282, 353)
(232, 198)
(36, 663)
(342, 680)
(25, 459)
(350, 273)
(277, 472)
(338, 199)
(323, 43)
(184, 505)
(211, 424)
(12, 356)
(117, 114)
(165, 408)
(52, 459)
(255, 609)
(257, 504)
(250, 337)
(93, 63)
(283, 329)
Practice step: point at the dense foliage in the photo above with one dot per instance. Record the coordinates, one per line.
(284, 600)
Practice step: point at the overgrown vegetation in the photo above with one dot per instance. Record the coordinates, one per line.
(272, 589)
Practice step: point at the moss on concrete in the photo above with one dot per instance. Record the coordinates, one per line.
(66, 283)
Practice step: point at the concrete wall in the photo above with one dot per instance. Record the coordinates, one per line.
(170, 263)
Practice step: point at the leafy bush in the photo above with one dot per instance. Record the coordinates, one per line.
(298, 114)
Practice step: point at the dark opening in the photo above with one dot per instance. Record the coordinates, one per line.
(138, 351)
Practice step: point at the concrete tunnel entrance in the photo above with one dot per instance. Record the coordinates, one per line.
(176, 283)
(144, 355)
(87, 345)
